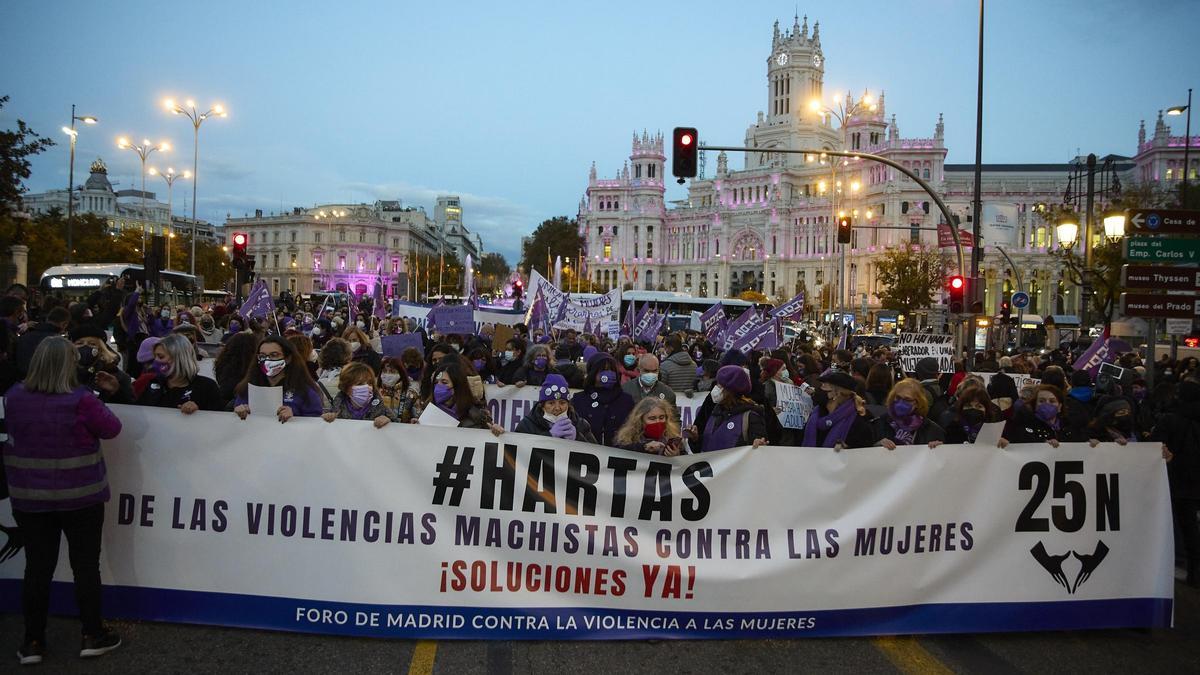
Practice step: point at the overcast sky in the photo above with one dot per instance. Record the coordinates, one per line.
(508, 104)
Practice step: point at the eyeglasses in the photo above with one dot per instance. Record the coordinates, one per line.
(270, 357)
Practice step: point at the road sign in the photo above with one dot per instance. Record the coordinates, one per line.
(1020, 299)
(1175, 306)
(1161, 221)
(1179, 326)
(1162, 250)
(1161, 278)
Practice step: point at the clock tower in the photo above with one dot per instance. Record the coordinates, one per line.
(795, 74)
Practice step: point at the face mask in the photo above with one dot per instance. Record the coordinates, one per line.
(508, 356)
(649, 379)
(699, 371)
(161, 367)
(360, 325)
(552, 418)
(164, 314)
(316, 331)
(717, 394)
(272, 367)
(456, 347)
(360, 394)
(629, 360)
(972, 417)
(389, 379)
(1123, 424)
(539, 363)
(606, 379)
(698, 354)
(355, 346)
(235, 327)
(1046, 411)
(655, 429)
(784, 374)
(478, 363)
(442, 392)
(820, 398)
(902, 409)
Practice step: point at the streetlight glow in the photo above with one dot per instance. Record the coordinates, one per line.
(1114, 224)
(1068, 231)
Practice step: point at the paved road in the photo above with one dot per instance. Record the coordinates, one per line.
(157, 647)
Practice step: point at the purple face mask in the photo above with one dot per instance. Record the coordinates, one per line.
(606, 379)
(161, 367)
(539, 362)
(442, 393)
(235, 327)
(1046, 411)
(902, 409)
(478, 363)
(699, 371)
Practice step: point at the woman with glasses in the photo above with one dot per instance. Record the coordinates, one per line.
(279, 365)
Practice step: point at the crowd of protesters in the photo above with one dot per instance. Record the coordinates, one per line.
(62, 362)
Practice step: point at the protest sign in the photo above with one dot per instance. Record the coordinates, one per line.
(453, 319)
(416, 532)
(394, 345)
(501, 336)
(913, 347)
(795, 405)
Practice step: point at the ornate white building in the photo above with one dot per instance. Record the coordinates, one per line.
(351, 247)
(770, 225)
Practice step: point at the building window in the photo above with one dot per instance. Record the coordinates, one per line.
(316, 262)
(362, 237)
(651, 169)
(293, 238)
(342, 262)
(395, 265)
(607, 250)
(276, 241)
(276, 261)
(293, 260)
(275, 282)
(637, 170)
(317, 237)
(395, 242)
(341, 235)
(292, 284)
(251, 234)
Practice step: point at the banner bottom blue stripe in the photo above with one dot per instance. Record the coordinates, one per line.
(577, 623)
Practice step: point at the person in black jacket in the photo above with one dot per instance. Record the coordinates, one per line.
(177, 384)
(972, 410)
(99, 366)
(838, 418)
(55, 324)
(906, 421)
(564, 363)
(537, 367)
(602, 402)
(1179, 431)
(511, 359)
(734, 419)
(553, 415)
(1044, 422)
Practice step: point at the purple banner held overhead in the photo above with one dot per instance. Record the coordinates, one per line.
(394, 345)
(453, 319)
(741, 327)
(258, 302)
(763, 337)
(710, 320)
(791, 309)
(1103, 349)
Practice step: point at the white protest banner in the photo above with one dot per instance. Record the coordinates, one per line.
(509, 404)
(414, 532)
(578, 310)
(796, 405)
(1018, 379)
(913, 347)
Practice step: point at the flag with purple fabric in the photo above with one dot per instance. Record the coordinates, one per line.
(710, 320)
(641, 322)
(763, 337)
(1103, 349)
(453, 319)
(394, 345)
(259, 303)
(628, 322)
(791, 309)
(652, 328)
(539, 313)
(561, 315)
(587, 325)
(379, 308)
(353, 307)
(842, 340)
(740, 327)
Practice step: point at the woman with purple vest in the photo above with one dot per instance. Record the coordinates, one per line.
(58, 484)
(837, 421)
(735, 420)
(602, 402)
(278, 365)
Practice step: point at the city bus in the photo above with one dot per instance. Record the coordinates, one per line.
(83, 279)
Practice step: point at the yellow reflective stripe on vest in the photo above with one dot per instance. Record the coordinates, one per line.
(57, 495)
(52, 462)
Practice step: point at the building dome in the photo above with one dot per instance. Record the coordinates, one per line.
(99, 178)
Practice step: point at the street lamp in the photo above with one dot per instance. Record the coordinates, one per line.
(1114, 225)
(1068, 231)
(188, 109)
(143, 151)
(1187, 142)
(70, 131)
(170, 177)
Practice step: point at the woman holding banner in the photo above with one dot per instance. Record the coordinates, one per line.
(451, 392)
(838, 420)
(906, 421)
(734, 420)
(54, 423)
(972, 409)
(554, 416)
(358, 398)
(652, 427)
(278, 365)
(178, 383)
(1044, 421)
(537, 366)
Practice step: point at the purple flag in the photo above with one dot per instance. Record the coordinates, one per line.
(628, 323)
(791, 309)
(394, 345)
(641, 322)
(710, 320)
(430, 318)
(561, 314)
(539, 313)
(1103, 349)
(587, 325)
(764, 336)
(453, 319)
(654, 325)
(380, 309)
(258, 303)
(740, 327)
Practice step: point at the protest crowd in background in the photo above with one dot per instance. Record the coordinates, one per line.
(618, 386)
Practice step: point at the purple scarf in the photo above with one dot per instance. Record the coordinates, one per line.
(905, 432)
(838, 424)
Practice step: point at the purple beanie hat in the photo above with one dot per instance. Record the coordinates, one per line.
(146, 349)
(554, 388)
(588, 352)
(733, 378)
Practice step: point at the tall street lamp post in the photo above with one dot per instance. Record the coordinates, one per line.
(143, 151)
(170, 177)
(1187, 143)
(70, 131)
(188, 109)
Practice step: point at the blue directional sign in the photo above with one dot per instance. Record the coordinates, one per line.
(1020, 299)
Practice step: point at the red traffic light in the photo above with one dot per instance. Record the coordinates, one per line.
(685, 139)
(239, 239)
(684, 155)
(956, 283)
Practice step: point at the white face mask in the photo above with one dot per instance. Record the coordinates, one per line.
(354, 346)
(552, 418)
(316, 331)
(717, 394)
(360, 324)
(389, 379)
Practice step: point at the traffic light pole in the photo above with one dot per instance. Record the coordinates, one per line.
(949, 217)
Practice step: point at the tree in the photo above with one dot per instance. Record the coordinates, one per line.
(752, 296)
(493, 272)
(909, 277)
(424, 268)
(16, 147)
(559, 236)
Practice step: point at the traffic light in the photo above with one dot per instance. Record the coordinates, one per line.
(1005, 311)
(683, 159)
(239, 250)
(517, 289)
(845, 226)
(957, 285)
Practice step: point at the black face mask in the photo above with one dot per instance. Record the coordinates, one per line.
(820, 398)
(973, 416)
(1123, 424)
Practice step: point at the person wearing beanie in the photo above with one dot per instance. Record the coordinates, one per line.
(588, 352)
(928, 372)
(554, 415)
(602, 402)
(146, 374)
(1113, 421)
(1003, 391)
(1176, 430)
(98, 361)
(706, 375)
(678, 369)
(734, 420)
(564, 364)
(838, 418)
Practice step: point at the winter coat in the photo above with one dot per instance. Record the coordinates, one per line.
(659, 390)
(928, 431)
(374, 408)
(52, 459)
(732, 426)
(28, 343)
(533, 377)
(605, 411)
(1180, 430)
(678, 371)
(1026, 427)
(201, 390)
(535, 423)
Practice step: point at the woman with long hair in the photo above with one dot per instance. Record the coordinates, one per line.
(451, 392)
(53, 422)
(907, 419)
(178, 383)
(652, 427)
(233, 361)
(278, 365)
